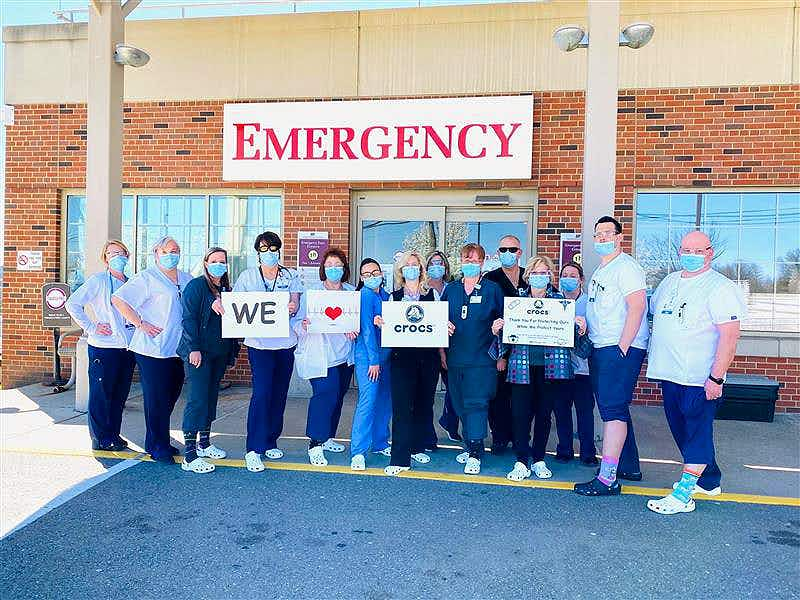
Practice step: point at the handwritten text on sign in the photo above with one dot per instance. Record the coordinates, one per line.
(255, 314)
(539, 322)
(332, 311)
(414, 325)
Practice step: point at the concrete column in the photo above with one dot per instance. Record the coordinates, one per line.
(600, 128)
(103, 130)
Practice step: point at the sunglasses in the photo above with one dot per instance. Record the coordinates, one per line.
(513, 249)
(269, 248)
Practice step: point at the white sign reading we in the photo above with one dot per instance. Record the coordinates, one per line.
(255, 314)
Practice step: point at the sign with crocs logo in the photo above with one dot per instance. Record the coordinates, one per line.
(333, 311)
(414, 325)
(539, 322)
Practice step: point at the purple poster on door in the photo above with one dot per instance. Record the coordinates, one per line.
(311, 245)
(570, 248)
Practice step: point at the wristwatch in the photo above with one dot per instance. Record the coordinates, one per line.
(717, 380)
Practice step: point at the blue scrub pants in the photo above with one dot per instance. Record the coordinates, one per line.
(162, 381)
(691, 420)
(471, 389)
(325, 405)
(203, 393)
(576, 392)
(613, 381)
(110, 374)
(270, 374)
(373, 411)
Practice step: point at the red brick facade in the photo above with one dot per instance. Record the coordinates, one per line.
(702, 137)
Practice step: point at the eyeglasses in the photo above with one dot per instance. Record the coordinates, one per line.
(112, 254)
(512, 249)
(437, 261)
(269, 248)
(604, 235)
(697, 251)
(375, 273)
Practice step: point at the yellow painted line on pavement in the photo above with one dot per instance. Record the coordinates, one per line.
(627, 489)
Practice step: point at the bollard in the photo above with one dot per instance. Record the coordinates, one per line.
(82, 375)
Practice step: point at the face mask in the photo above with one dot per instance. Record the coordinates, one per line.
(373, 283)
(604, 248)
(169, 261)
(334, 274)
(471, 270)
(692, 262)
(269, 258)
(411, 273)
(508, 259)
(436, 271)
(118, 263)
(568, 284)
(217, 269)
(538, 281)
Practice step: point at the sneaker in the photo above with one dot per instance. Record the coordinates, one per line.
(702, 491)
(670, 505)
(252, 461)
(519, 472)
(211, 452)
(541, 471)
(462, 458)
(357, 463)
(316, 456)
(274, 453)
(472, 466)
(385, 452)
(595, 487)
(198, 465)
(421, 458)
(332, 446)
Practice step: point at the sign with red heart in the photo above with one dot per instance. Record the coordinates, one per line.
(333, 311)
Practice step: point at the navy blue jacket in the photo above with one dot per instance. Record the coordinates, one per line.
(197, 299)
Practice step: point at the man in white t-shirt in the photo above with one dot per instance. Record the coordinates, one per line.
(697, 314)
(616, 315)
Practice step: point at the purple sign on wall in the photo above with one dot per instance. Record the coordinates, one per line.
(311, 245)
(570, 248)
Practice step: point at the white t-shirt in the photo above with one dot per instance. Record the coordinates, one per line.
(287, 280)
(95, 295)
(157, 300)
(686, 311)
(606, 308)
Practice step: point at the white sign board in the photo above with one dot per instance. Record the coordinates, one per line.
(539, 322)
(414, 325)
(333, 312)
(29, 260)
(379, 140)
(255, 314)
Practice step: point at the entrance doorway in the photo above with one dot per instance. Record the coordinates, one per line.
(387, 223)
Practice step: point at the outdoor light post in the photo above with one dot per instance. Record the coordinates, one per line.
(600, 123)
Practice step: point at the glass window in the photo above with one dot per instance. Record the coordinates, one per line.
(486, 233)
(196, 222)
(756, 239)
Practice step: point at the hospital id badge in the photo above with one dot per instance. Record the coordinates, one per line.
(464, 312)
(475, 299)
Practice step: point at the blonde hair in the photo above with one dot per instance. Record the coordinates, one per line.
(399, 280)
(535, 261)
(113, 242)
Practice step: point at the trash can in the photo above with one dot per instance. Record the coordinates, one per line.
(748, 398)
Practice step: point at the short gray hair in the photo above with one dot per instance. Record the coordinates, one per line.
(163, 241)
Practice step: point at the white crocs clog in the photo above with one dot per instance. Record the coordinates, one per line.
(274, 453)
(393, 470)
(198, 465)
(332, 446)
(421, 458)
(316, 456)
(670, 505)
(519, 472)
(252, 461)
(211, 452)
(541, 471)
(357, 463)
(472, 466)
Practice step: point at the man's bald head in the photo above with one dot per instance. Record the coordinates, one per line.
(696, 240)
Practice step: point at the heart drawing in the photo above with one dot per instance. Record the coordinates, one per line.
(333, 312)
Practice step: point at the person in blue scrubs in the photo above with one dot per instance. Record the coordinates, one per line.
(110, 362)
(373, 411)
(474, 304)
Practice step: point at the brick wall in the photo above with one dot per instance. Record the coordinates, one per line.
(667, 138)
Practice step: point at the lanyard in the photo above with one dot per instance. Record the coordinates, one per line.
(274, 281)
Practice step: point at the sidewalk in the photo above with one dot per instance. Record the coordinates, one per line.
(45, 448)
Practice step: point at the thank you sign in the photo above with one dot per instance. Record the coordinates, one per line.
(414, 325)
(255, 314)
(333, 311)
(539, 322)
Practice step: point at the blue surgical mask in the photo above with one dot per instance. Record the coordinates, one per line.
(508, 259)
(217, 269)
(118, 263)
(538, 281)
(471, 270)
(436, 271)
(269, 258)
(411, 273)
(373, 283)
(169, 261)
(604, 248)
(692, 262)
(568, 284)
(334, 274)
